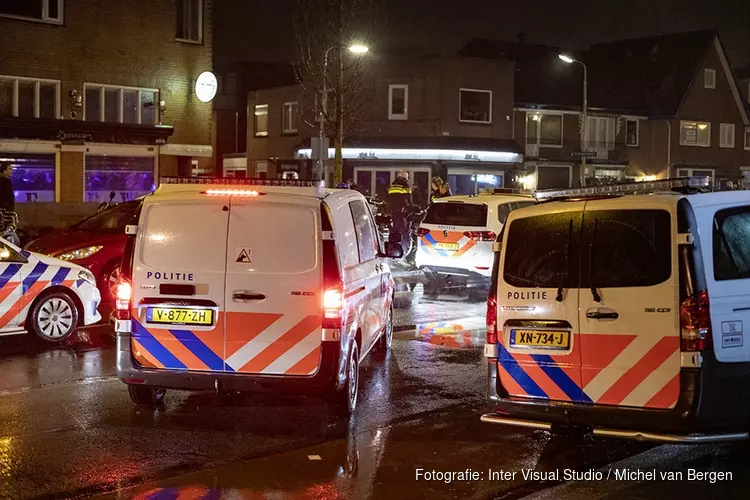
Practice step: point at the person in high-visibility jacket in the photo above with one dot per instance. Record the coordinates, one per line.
(400, 204)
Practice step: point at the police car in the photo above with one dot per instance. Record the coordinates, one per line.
(250, 285)
(623, 310)
(44, 296)
(455, 239)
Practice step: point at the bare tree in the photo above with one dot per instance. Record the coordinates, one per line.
(332, 75)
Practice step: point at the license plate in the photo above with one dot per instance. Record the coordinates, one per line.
(180, 316)
(543, 339)
(447, 246)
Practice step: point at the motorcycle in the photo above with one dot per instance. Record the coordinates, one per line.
(385, 226)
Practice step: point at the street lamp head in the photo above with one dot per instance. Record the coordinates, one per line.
(358, 49)
(566, 58)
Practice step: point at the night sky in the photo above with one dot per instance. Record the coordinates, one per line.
(261, 30)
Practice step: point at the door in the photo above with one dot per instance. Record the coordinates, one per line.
(178, 290)
(369, 272)
(630, 337)
(273, 288)
(538, 325)
(13, 272)
(728, 279)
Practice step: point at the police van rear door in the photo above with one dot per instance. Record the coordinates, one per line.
(537, 296)
(630, 337)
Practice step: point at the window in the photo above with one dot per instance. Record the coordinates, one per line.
(261, 169)
(398, 102)
(709, 78)
(113, 104)
(732, 244)
(289, 113)
(747, 138)
(475, 106)
(48, 11)
(542, 251)
(600, 132)
(364, 230)
(632, 132)
(113, 220)
(189, 21)
(696, 172)
(261, 120)
(33, 176)
(29, 97)
(457, 214)
(544, 129)
(626, 248)
(128, 177)
(695, 134)
(726, 139)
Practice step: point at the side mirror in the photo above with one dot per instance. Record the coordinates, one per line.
(393, 250)
(111, 196)
(394, 237)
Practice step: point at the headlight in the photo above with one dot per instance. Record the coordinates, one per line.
(81, 253)
(87, 276)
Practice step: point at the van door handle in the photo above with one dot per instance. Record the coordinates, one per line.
(602, 315)
(247, 296)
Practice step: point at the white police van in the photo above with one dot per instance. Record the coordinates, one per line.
(252, 285)
(454, 247)
(623, 313)
(47, 297)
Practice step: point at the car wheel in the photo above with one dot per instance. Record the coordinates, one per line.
(386, 340)
(110, 278)
(344, 402)
(146, 396)
(432, 289)
(53, 317)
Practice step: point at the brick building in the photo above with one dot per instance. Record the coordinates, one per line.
(662, 106)
(98, 97)
(446, 116)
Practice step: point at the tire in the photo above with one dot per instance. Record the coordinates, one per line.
(108, 280)
(146, 396)
(386, 339)
(53, 317)
(432, 289)
(344, 402)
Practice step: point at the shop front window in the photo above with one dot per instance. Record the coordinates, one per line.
(33, 177)
(126, 177)
(473, 183)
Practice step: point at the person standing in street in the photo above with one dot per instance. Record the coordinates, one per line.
(400, 204)
(7, 197)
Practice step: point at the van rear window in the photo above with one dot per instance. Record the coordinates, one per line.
(732, 244)
(457, 214)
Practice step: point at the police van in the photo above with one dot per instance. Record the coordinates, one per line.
(454, 247)
(252, 285)
(623, 310)
(47, 297)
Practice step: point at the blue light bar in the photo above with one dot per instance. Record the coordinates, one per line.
(645, 187)
(243, 181)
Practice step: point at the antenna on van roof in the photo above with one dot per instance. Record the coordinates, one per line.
(684, 185)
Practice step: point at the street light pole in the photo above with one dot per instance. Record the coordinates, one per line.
(584, 114)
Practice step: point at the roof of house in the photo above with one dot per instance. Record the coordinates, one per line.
(644, 76)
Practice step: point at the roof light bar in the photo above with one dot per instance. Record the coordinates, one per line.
(231, 192)
(243, 181)
(627, 188)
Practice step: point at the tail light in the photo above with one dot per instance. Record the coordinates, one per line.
(124, 294)
(492, 317)
(333, 307)
(481, 235)
(695, 323)
(422, 232)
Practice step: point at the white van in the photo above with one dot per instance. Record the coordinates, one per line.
(624, 314)
(454, 247)
(254, 285)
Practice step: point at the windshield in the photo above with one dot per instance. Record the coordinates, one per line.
(112, 220)
(457, 214)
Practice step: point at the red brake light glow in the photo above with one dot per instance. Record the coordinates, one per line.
(480, 235)
(695, 323)
(422, 231)
(124, 295)
(333, 305)
(492, 318)
(232, 192)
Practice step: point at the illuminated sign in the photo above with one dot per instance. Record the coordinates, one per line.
(206, 86)
(420, 154)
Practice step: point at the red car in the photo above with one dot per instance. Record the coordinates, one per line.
(96, 243)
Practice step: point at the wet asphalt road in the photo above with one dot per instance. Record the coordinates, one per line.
(69, 430)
